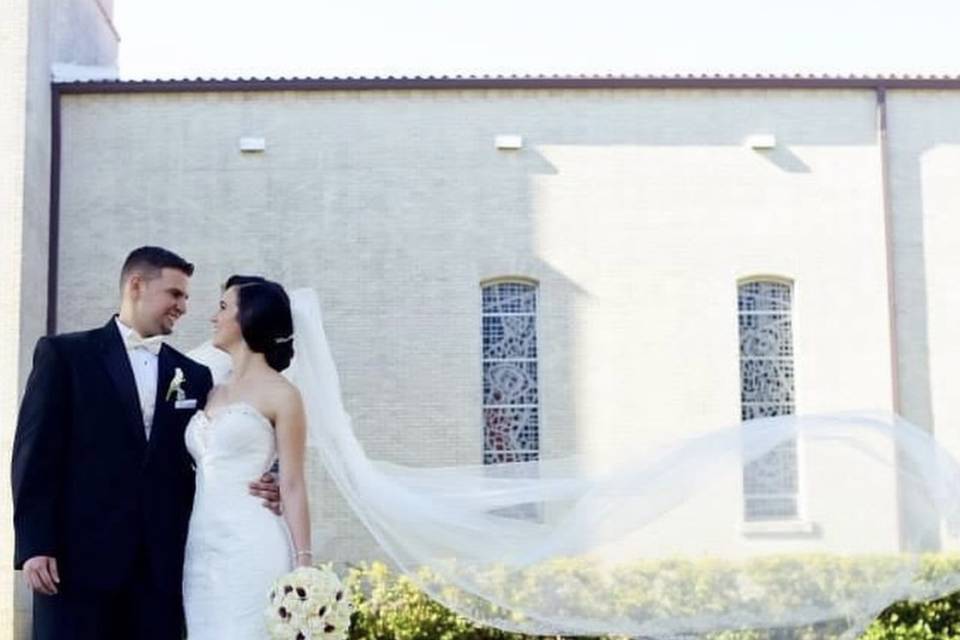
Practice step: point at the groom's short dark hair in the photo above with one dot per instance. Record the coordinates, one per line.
(150, 260)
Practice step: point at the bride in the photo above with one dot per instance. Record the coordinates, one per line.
(235, 548)
(598, 554)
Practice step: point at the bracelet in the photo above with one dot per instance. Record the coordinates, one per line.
(304, 553)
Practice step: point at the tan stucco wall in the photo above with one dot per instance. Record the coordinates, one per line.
(637, 211)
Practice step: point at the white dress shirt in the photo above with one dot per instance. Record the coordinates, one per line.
(144, 365)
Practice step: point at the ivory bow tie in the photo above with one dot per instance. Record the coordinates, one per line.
(151, 344)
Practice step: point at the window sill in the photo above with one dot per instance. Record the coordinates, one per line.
(779, 528)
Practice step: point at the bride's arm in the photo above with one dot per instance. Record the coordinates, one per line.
(291, 428)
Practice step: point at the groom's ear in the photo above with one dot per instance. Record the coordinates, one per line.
(133, 285)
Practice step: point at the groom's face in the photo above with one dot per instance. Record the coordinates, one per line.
(160, 301)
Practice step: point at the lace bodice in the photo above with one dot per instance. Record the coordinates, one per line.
(231, 447)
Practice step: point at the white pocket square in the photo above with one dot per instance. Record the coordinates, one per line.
(185, 404)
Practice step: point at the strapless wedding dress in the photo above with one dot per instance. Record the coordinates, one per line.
(235, 547)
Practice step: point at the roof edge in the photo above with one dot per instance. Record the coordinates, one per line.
(390, 83)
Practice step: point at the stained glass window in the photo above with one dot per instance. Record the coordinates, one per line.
(770, 483)
(510, 382)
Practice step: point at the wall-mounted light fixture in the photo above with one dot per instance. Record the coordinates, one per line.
(507, 143)
(761, 141)
(253, 145)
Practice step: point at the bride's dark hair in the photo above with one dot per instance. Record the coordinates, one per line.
(266, 322)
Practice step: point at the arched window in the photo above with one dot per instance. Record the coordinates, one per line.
(511, 415)
(770, 483)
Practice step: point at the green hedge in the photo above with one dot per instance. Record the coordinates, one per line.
(391, 607)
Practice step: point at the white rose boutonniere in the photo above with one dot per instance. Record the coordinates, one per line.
(175, 389)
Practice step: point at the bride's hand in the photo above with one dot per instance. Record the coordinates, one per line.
(268, 490)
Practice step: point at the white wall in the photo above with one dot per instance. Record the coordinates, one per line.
(636, 210)
(924, 173)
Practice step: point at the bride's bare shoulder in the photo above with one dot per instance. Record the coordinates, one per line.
(283, 395)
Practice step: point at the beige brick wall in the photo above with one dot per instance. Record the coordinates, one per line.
(636, 210)
(925, 143)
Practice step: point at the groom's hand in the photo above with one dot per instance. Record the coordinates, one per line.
(41, 574)
(268, 489)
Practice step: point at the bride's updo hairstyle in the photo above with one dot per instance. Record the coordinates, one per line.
(266, 322)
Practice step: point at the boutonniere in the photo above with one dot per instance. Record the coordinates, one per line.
(175, 390)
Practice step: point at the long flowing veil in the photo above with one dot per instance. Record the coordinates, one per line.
(650, 544)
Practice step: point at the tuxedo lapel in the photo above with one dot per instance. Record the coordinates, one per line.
(162, 407)
(117, 362)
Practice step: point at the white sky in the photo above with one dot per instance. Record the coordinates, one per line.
(217, 38)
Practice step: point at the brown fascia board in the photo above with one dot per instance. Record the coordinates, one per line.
(506, 82)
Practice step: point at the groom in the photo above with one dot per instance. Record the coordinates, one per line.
(102, 481)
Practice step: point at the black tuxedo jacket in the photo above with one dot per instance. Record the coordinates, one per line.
(88, 488)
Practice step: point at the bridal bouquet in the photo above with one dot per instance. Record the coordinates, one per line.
(308, 603)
